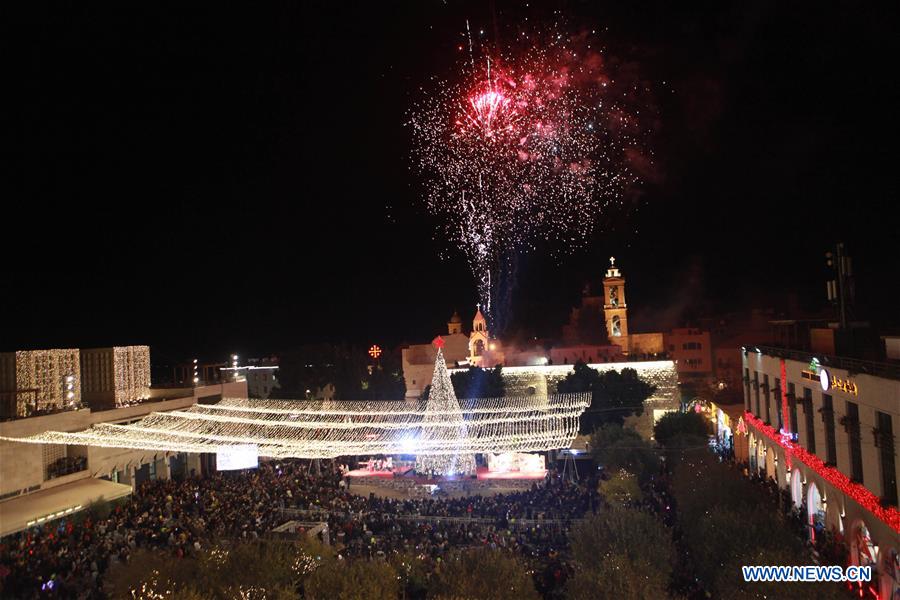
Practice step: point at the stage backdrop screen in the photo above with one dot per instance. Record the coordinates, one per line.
(244, 456)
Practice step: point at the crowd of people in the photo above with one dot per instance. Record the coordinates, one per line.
(67, 558)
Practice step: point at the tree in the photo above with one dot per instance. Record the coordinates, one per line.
(352, 580)
(727, 522)
(622, 554)
(413, 574)
(622, 489)
(484, 573)
(690, 425)
(614, 395)
(615, 447)
(682, 434)
(476, 382)
(385, 382)
(266, 565)
(149, 574)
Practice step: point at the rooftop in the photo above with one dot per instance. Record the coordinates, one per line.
(854, 366)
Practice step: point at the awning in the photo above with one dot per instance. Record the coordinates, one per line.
(46, 505)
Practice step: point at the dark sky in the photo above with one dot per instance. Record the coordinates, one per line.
(215, 178)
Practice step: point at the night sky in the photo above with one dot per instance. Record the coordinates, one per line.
(209, 180)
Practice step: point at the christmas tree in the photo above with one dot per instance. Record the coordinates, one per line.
(441, 407)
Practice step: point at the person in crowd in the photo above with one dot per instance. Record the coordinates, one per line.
(67, 558)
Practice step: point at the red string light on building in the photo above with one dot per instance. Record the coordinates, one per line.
(785, 415)
(865, 498)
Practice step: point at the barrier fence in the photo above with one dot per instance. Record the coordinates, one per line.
(513, 523)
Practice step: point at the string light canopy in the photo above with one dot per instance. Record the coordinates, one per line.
(320, 429)
(447, 429)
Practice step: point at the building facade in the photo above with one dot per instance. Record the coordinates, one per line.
(825, 429)
(691, 349)
(597, 332)
(39, 482)
(36, 382)
(115, 377)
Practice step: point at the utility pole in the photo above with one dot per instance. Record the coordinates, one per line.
(839, 288)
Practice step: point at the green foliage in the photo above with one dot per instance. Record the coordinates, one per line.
(147, 573)
(688, 424)
(476, 382)
(622, 489)
(621, 554)
(413, 574)
(314, 366)
(249, 571)
(701, 481)
(268, 565)
(616, 448)
(682, 434)
(352, 580)
(614, 395)
(483, 574)
(727, 522)
(384, 383)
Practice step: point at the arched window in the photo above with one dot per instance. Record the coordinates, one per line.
(815, 510)
(616, 326)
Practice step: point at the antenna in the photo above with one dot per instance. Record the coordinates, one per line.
(839, 290)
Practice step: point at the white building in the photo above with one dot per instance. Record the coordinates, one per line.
(41, 482)
(39, 381)
(115, 377)
(825, 428)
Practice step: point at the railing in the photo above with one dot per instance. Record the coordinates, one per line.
(854, 366)
(514, 523)
(66, 465)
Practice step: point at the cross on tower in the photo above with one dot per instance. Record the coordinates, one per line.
(612, 261)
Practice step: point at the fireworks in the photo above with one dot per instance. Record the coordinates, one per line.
(526, 145)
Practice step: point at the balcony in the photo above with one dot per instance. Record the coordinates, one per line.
(853, 366)
(66, 465)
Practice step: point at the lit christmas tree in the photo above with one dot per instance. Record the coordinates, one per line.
(442, 406)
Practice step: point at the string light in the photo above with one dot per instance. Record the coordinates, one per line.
(862, 495)
(441, 407)
(444, 427)
(132, 368)
(53, 376)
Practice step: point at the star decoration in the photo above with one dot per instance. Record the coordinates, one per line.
(438, 342)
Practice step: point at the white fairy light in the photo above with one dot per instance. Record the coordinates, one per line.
(52, 378)
(443, 433)
(132, 374)
(442, 406)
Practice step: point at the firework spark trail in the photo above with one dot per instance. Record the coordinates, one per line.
(525, 146)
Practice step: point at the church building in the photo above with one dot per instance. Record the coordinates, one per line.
(597, 332)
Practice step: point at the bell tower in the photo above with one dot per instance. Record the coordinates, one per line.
(479, 338)
(615, 310)
(454, 325)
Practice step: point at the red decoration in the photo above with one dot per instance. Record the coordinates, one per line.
(374, 351)
(438, 342)
(785, 416)
(865, 498)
